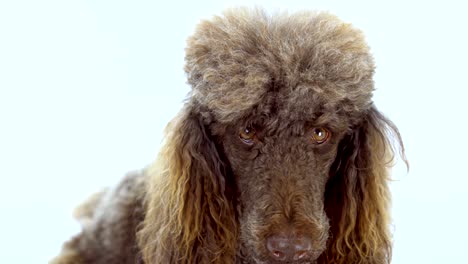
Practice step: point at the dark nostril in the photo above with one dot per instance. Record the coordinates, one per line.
(302, 247)
(287, 248)
(278, 247)
(301, 255)
(278, 254)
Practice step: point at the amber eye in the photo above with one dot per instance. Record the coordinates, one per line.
(247, 135)
(320, 135)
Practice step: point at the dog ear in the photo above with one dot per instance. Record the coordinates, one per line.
(357, 197)
(190, 203)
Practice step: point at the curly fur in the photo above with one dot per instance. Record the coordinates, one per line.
(211, 198)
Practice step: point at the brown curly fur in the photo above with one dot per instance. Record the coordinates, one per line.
(211, 198)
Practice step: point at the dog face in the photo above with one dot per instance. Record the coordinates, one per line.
(281, 166)
(281, 181)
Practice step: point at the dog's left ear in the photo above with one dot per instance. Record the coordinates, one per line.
(190, 215)
(357, 197)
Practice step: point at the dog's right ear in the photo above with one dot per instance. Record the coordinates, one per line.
(190, 212)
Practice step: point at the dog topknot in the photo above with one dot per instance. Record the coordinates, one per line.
(234, 61)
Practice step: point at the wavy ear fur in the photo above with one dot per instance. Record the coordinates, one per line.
(357, 197)
(190, 201)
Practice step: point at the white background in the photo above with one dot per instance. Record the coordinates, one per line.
(86, 88)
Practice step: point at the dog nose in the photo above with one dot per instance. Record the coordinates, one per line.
(288, 248)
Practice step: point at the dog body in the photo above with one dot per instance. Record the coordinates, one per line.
(278, 155)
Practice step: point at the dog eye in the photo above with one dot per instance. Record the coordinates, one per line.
(320, 135)
(247, 135)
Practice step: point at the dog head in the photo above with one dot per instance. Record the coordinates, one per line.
(279, 155)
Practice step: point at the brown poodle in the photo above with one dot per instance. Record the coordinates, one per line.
(278, 155)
